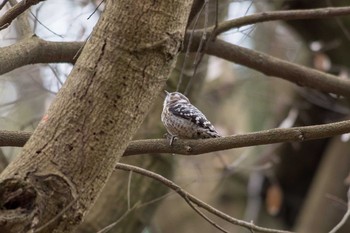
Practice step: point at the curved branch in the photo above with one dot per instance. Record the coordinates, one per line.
(281, 15)
(190, 198)
(15, 11)
(195, 147)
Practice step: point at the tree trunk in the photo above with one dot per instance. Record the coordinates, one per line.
(74, 149)
(112, 204)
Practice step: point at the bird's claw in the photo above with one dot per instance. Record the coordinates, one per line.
(171, 138)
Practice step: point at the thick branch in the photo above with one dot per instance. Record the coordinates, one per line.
(32, 50)
(195, 147)
(15, 11)
(14, 138)
(281, 15)
(17, 55)
(273, 66)
(35, 50)
(190, 198)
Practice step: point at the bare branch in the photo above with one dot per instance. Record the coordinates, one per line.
(189, 197)
(273, 66)
(198, 211)
(35, 50)
(14, 138)
(3, 4)
(195, 147)
(281, 15)
(15, 11)
(32, 50)
(23, 26)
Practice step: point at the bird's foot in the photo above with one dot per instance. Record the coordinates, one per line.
(171, 138)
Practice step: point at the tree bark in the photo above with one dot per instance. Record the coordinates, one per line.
(63, 167)
(112, 204)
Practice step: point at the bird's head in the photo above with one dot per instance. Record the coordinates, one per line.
(175, 97)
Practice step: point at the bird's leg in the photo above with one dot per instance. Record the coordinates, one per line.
(172, 139)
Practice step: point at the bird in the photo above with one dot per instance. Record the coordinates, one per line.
(183, 120)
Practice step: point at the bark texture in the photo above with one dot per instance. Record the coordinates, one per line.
(74, 149)
(141, 192)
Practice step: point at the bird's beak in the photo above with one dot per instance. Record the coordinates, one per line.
(166, 93)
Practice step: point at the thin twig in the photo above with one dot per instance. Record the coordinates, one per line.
(199, 53)
(57, 215)
(136, 206)
(189, 197)
(110, 226)
(340, 23)
(204, 216)
(345, 217)
(96, 8)
(128, 191)
(216, 14)
(188, 48)
(44, 26)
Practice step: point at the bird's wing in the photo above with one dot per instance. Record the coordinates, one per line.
(192, 114)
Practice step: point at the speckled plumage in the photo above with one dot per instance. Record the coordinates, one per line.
(183, 120)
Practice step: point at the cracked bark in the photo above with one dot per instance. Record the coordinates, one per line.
(74, 149)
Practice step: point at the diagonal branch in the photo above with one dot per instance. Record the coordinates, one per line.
(190, 198)
(272, 66)
(195, 147)
(3, 4)
(15, 11)
(23, 26)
